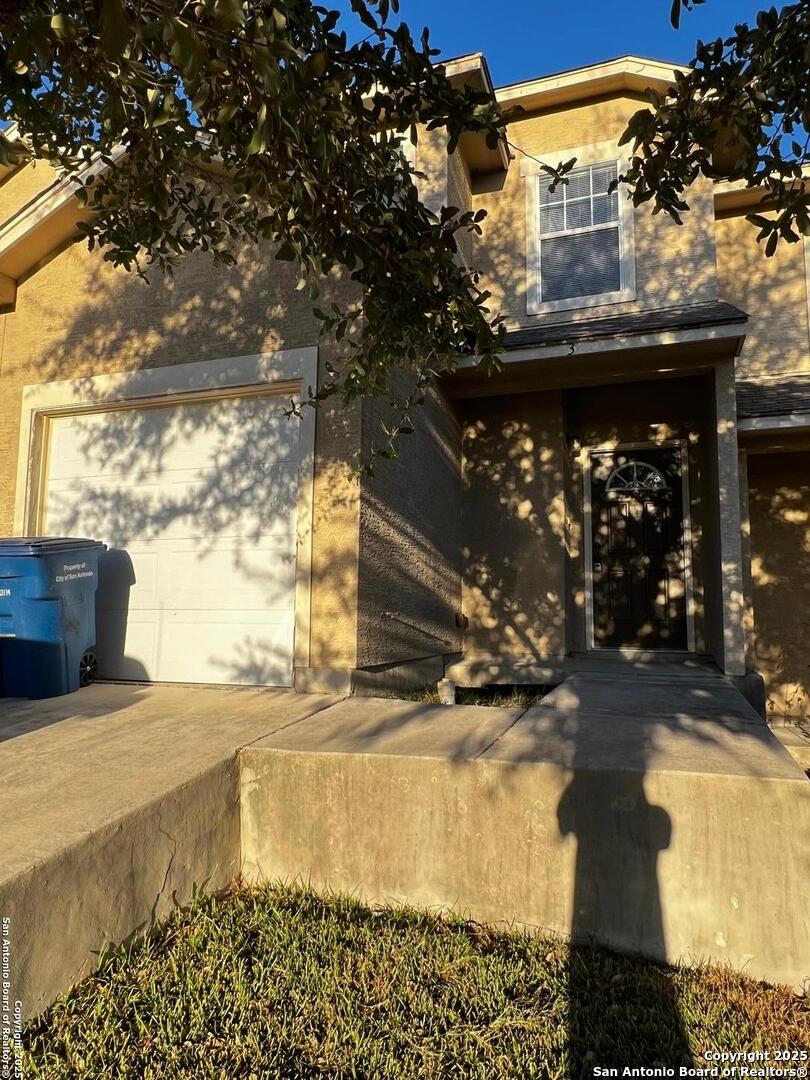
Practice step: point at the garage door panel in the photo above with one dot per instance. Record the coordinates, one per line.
(261, 578)
(184, 505)
(228, 650)
(177, 648)
(168, 438)
(198, 504)
(252, 578)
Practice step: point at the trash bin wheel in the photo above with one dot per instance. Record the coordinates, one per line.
(88, 668)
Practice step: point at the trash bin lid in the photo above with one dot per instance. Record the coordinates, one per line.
(44, 545)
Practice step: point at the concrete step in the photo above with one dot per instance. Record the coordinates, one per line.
(796, 740)
(520, 671)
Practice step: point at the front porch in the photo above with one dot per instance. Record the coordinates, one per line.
(648, 796)
(601, 511)
(483, 670)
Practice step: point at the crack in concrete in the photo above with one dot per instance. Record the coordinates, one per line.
(168, 868)
(292, 723)
(501, 734)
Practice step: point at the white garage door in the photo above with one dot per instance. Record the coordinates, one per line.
(197, 503)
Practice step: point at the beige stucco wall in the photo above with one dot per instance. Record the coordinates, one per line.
(79, 316)
(23, 184)
(513, 526)
(430, 159)
(675, 265)
(459, 194)
(408, 572)
(773, 291)
(409, 579)
(779, 502)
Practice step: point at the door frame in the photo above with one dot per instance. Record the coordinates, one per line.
(286, 373)
(587, 514)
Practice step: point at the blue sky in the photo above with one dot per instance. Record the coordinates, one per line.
(526, 38)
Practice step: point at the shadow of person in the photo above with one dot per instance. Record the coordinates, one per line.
(618, 1015)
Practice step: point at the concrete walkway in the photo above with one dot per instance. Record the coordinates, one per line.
(591, 721)
(73, 764)
(115, 802)
(121, 800)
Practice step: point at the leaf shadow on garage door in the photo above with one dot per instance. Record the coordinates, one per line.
(202, 495)
(202, 499)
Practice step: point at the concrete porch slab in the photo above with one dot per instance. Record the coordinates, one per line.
(682, 835)
(610, 722)
(387, 726)
(602, 742)
(78, 762)
(709, 697)
(484, 669)
(689, 830)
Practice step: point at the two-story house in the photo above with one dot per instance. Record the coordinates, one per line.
(634, 484)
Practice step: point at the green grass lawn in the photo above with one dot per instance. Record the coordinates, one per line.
(278, 982)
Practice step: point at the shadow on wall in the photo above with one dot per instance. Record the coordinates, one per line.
(116, 578)
(779, 501)
(523, 526)
(198, 500)
(616, 900)
(514, 525)
(621, 834)
(409, 587)
(604, 875)
(675, 265)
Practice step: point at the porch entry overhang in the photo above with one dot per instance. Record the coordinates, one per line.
(774, 412)
(581, 352)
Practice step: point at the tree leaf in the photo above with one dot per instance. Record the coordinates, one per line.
(258, 142)
(115, 28)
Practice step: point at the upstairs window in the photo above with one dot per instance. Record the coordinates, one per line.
(580, 243)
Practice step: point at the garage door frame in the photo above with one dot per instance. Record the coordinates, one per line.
(287, 373)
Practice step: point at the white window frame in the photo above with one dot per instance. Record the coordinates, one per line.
(595, 154)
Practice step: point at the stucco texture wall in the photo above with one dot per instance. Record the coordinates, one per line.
(78, 316)
(409, 578)
(459, 194)
(779, 504)
(408, 574)
(675, 265)
(773, 291)
(23, 184)
(513, 526)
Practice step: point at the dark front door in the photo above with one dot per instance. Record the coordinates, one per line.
(639, 581)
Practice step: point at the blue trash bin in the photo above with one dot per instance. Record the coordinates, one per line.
(47, 614)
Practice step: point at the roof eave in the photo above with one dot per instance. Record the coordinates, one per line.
(473, 70)
(628, 73)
